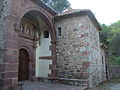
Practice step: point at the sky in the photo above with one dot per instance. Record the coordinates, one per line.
(106, 11)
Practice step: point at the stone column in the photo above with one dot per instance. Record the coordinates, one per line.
(9, 53)
(53, 66)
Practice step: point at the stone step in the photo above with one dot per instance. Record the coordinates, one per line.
(75, 82)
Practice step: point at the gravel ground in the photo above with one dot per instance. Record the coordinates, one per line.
(27, 85)
(110, 85)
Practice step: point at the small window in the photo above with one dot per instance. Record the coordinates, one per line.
(46, 34)
(74, 30)
(59, 31)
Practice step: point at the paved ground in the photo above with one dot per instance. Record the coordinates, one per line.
(108, 86)
(114, 85)
(48, 86)
(111, 85)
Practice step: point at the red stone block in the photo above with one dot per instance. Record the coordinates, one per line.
(14, 37)
(84, 44)
(11, 58)
(11, 67)
(53, 73)
(11, 44)
(84, 35)
(7, 35)
(9, 17)
(9, 75)
(14, 12)
(52, 67)
(1, 67)
(85, 64)
(7, 82)
(5, 88)
(85, 53)
(85, 75)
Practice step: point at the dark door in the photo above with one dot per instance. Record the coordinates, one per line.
(23, 73)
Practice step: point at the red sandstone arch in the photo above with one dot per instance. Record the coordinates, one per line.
(27, 49)
(48, 18)
(31, 59)
(45, 16)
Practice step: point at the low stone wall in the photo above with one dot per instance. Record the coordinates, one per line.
(113, 72)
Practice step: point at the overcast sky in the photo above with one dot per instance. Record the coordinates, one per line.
(106, 11)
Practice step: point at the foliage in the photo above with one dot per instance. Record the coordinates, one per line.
(117, 59)
(115, 45)
(111, 37)
(104, 34)
(57, 5)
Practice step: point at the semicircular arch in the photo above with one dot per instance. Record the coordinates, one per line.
(45, 16)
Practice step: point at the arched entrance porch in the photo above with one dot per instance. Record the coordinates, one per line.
(14, 39)
(36, 33)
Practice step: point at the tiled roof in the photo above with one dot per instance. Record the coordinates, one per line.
(70, 11)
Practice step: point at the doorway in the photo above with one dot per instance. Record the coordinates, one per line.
(23, 70)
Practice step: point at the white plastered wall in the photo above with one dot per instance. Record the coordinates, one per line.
(42, 66)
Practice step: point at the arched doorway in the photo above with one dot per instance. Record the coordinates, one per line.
(23, 70)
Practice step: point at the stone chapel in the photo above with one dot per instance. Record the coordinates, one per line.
(37, 43)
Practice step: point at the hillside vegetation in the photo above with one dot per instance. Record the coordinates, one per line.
(110, 35)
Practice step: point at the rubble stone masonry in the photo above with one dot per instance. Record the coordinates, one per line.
(78, 50)
(3, 28)
(97, 66)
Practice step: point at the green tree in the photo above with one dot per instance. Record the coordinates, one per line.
(110, 35)
(115, 45)
(105, 34)
(57, 5)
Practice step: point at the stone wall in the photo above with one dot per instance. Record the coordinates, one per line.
(78, 50)
(97, 67)
(3, 28)
(72, 48)
(113, 72)
(3, 11)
